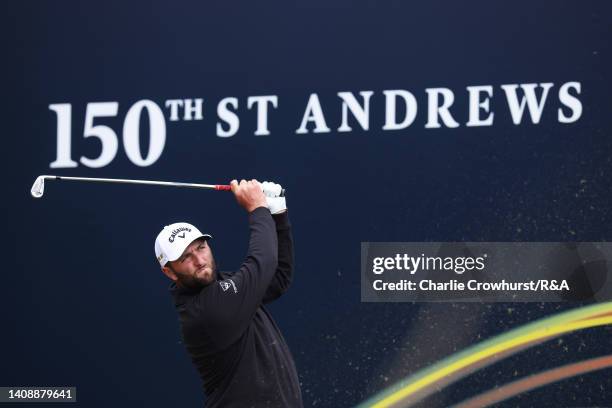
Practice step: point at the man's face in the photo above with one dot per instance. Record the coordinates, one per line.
(195, 268)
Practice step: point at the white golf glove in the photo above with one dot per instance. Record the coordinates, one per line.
(272, 191)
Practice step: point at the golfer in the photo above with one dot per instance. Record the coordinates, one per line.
(233, 341)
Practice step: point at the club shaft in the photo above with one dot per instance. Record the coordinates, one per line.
(146, 182)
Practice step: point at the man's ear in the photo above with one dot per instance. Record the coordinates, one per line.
(169, 273)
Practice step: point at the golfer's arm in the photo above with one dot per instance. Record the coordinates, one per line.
(284, 272)
(227, 312)
(258, 268)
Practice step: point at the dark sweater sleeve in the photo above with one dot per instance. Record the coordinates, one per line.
(284, 271)
(226, 307)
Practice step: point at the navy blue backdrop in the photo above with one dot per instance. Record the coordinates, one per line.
(83, 300)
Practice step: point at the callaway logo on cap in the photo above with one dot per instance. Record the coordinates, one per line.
(174, 239)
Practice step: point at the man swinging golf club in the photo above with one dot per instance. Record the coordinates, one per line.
(233, 341)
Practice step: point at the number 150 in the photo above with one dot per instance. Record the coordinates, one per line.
(107, 136)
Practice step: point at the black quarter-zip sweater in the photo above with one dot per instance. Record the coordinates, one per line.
(233, 341)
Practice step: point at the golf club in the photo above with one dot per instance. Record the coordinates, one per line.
(38, 188)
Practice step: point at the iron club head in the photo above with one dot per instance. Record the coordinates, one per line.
(38, 188)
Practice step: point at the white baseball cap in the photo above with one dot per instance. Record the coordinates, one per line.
(174, 239)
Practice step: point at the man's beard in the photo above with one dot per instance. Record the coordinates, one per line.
(195, 282)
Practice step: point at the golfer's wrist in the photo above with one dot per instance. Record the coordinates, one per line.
(258, 209)
(281, 220)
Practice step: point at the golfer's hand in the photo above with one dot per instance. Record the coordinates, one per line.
(276, 203)
(271, 189)
(249, 194)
